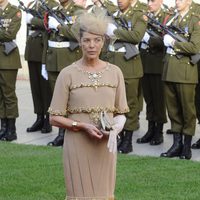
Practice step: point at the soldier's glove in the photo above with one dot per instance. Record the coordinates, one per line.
(53, 23)
(118, 126)
(44, 72)
(169, 41)
(110, 30)
(146, 38)
(29, 17)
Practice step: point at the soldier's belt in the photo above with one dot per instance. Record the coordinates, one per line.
(58, 44)
(112, 48)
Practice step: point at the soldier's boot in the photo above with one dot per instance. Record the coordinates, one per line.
(3, 129)
(47, 128)
(176, 148)
(186, 151)
(10, 134)
(37, 125)
(196, 145)
(126, 146)
(158, 135)
(58, 141)
(169, 132)
(148, 135)
(120, 139)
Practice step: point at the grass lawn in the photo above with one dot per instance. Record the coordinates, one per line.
(35, 173)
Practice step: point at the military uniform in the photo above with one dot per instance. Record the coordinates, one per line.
(40, 88)
(196, 11)
(152, 55)
(181, 77)
(131, 67)
(62, 50)
(10, 18)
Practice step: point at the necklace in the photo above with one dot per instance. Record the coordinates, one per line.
(94, 77)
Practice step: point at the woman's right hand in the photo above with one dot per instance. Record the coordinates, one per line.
(92, 130)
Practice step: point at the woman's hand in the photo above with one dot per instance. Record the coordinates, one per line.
(92, 130)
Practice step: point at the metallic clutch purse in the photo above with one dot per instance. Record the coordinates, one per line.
(106, 122)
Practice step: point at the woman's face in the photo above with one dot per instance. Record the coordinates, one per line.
(91, 45)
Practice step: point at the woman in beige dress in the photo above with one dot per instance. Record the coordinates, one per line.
(83, 90)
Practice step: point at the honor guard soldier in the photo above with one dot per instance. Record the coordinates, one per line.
(152, 54)
(129, 31)
(195, 7)
(63, 48)
(40, 88)
(180, 77)
(10, 22)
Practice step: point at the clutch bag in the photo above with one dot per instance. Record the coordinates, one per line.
(106, 122)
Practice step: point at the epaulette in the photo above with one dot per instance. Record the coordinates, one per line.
(78, 6)
(139, 10)
(109, 2)
(195, 15)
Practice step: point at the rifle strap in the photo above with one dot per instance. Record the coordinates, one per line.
(166, 19)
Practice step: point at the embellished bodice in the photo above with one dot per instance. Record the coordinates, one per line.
(89, 92)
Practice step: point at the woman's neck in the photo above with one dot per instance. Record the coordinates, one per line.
(92, 64)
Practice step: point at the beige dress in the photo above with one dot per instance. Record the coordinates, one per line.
(89, 168)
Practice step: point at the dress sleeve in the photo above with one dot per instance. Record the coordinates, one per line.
(120, 98)
(59, 101)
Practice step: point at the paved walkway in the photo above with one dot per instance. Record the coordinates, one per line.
(27, 117)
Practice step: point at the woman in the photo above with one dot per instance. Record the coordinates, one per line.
(83, 90)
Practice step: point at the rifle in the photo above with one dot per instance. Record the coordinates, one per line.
(54, 14)
(51, 12)
(122, 21)
(131, 49)
(169, 30)
(8, 46)
(35, 13)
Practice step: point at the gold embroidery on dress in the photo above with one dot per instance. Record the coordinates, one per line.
(56, 112)
(93, 85)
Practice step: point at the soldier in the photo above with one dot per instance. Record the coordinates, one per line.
(196, 10)
(180, 76)
(10, 22)
(40, 88)
(63, 49)
(152, 54)
(125, 54)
